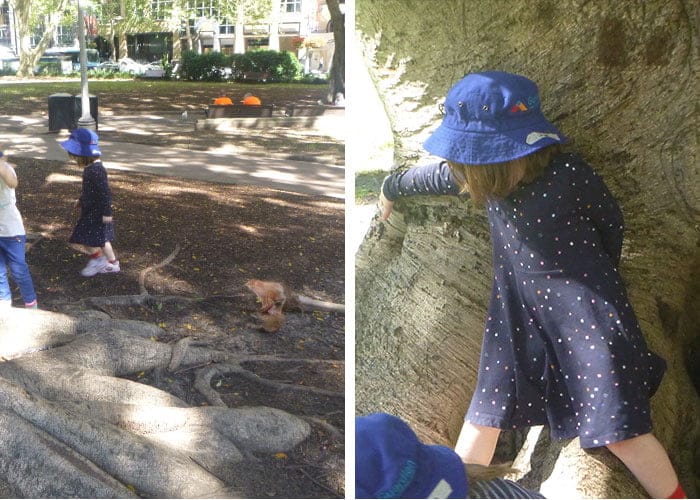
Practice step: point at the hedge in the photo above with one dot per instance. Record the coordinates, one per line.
(215, 66)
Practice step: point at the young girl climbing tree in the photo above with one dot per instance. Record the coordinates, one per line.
(562, 346)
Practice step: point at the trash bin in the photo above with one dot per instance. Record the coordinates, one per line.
(79, 109)
(61, 112)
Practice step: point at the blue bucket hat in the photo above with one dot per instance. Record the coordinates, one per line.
(390, 462)
(82, 142)
(492, 117)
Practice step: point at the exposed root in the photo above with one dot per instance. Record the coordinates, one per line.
(179, 353)
(86, 432)
(203, 384)
(74, 427)
(311, 478)
(147, 300)
(331, 429)
(234, 367)
(164, 262)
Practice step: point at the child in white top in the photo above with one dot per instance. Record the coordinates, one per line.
(12, 242)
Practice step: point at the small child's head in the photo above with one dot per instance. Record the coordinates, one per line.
(493, 121)
(251, 100)
(82, 146)
(223, 101)
(391, 462)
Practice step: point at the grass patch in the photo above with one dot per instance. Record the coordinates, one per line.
(367, 185)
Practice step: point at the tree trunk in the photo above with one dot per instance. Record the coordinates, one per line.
(28, 56)
(620, 79)
(336, 84)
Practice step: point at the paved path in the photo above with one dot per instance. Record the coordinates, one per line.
(29, 137)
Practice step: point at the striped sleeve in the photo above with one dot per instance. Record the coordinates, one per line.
(434, 178)
(500, 488)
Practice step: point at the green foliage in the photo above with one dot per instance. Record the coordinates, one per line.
(107, 74)
(215, 66)
(367, 186)
(208, 67)
(281, 66)
(49, 67)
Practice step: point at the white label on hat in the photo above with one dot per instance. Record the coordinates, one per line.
(533, 137)
(442, 490)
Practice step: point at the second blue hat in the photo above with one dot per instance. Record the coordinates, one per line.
(82, 142)
(391, 462)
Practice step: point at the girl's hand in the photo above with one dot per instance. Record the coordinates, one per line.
(77, 203)
(106, 219)
(386, 206)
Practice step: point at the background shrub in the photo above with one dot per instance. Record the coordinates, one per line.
(215, 66)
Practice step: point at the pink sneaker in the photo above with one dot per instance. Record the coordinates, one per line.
(94, 266)
(111, 267)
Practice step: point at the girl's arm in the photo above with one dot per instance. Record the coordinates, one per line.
(8, 175)
(434, 178)
(103, 195)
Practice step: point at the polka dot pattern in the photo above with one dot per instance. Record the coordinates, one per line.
(95, 201)
(562, 346)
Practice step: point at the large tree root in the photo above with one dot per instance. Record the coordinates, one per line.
(71, 427)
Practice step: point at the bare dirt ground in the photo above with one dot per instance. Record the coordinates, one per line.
(201, 242)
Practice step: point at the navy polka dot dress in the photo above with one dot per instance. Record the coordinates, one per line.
(562, 346)
(95, 201)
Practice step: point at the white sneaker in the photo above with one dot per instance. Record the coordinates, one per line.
(111, 267)
(95, 266)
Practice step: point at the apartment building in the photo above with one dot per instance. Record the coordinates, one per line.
(299, 26)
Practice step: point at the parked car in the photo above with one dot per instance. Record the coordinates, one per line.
(128, 65)
(145, 70)
(108, 66)
(153, 70)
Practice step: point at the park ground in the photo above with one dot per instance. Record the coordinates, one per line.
(201, 242)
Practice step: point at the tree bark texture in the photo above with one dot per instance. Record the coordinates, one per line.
(336, 82)
(621, 80)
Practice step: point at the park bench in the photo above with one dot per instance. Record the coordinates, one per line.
(255, 76)
(313, 110)
(238, 111)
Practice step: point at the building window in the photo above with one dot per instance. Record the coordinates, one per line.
(203, 8)
(290, 6)
(65, 36)
(226, 28)
(161, 9)
(5, 35)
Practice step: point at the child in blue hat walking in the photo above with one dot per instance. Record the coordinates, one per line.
(562, 346)
(94, 232)
(391, 462)
(12, 242)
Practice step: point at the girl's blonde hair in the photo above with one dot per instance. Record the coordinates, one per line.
(83, 161)
(498, 180)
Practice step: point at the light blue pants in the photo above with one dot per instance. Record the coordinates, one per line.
(12, 257)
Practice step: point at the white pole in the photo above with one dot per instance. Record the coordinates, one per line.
(86, 120)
